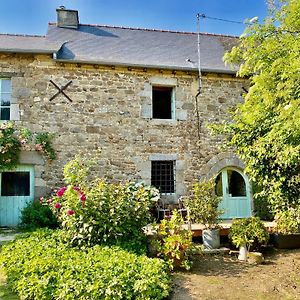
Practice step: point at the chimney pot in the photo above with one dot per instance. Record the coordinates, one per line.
(67, 18)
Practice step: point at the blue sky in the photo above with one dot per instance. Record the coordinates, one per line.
(32, 16)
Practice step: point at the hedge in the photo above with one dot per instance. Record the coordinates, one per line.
(40, 266)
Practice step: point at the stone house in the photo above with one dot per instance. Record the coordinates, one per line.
(130, 94)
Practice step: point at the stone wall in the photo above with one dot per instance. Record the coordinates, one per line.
(110, 113)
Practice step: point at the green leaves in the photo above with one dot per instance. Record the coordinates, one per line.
(203, 204)
(173, 243)
(288, 221)
(266, 130)
(247, 232)
(41, 267)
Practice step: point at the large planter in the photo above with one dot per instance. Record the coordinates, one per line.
(211, 238)
(285, 241)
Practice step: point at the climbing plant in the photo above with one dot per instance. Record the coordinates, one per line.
(13, 139)
(265, 129)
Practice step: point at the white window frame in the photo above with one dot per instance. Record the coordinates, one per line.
(7, 93)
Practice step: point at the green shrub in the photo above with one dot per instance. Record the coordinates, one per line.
(36, 215)
(41, 267)
(248, 232)
(288, 221)
(173, 243)
(97, 212)
(203, 205)
(262, 207)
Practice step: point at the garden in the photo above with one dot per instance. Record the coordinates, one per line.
(82, 243)
(97, 240)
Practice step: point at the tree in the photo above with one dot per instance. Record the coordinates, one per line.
(265, 129)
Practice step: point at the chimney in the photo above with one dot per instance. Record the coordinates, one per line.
(67, 18)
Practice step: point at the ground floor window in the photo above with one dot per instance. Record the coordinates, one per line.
(163, 176)
(15, 184)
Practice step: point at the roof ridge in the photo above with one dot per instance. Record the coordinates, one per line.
(155, 30)
(24, 35)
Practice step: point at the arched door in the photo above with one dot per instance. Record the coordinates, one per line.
(233, 186)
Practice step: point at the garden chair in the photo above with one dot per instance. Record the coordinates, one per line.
(162, 209)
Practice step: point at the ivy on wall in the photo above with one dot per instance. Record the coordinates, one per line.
(13, 140)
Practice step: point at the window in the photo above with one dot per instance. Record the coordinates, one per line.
(162, 102)
(163, 176)
(5, 96)
(219, 185)
(236, 183)
(15, 184)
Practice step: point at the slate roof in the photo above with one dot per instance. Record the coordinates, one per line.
(109, 45)
(26, 44)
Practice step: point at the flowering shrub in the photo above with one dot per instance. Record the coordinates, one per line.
(10, 146)
(12, 140)
(41, 267)
(96, 212)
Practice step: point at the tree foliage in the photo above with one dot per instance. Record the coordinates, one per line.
(266, 128)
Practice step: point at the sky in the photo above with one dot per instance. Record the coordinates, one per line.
(32, 16)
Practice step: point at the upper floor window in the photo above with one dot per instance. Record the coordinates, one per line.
(163, 176)
(162, 102)
(5, 98)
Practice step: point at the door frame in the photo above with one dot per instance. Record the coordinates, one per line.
(226, 196)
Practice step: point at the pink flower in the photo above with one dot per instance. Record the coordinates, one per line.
(50, 200)
(70, 212)
(82, 197)
(61, 191)
(76, 188)
(57, 205)
(42, 199)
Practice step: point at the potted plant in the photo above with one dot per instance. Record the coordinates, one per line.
(287, 235)
(172, 242)
(203, 208)
(245, 232)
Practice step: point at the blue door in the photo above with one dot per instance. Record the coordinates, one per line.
(16, 191)
(234, 188)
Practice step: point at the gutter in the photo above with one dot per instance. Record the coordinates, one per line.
(27, 51)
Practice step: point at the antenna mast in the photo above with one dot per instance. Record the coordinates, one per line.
(199, 52)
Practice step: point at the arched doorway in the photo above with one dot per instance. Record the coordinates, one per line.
(234, 188)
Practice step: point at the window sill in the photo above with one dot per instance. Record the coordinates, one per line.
(164, 122)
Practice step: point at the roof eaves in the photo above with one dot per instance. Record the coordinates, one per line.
(28, 51)
(178, 68)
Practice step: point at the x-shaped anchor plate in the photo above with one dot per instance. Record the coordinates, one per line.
(61, 90)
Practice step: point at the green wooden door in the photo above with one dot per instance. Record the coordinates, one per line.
(233, 186)
(16, 190)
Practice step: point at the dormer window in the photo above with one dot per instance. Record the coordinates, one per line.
(5, 98)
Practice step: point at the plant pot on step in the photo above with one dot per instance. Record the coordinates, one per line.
(211, 238)
(243, 252)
